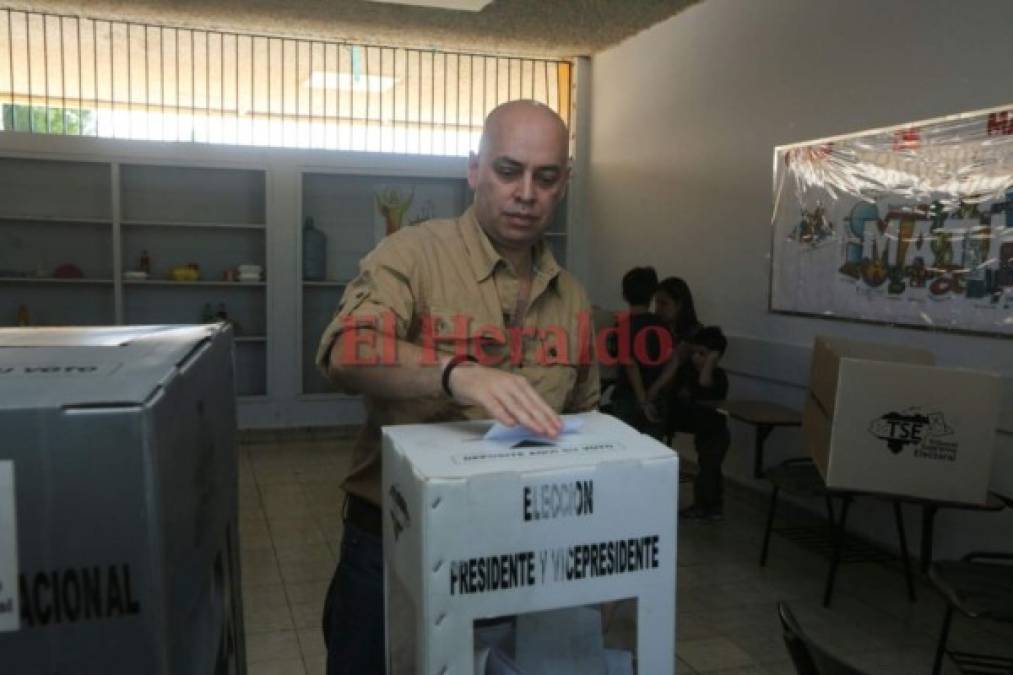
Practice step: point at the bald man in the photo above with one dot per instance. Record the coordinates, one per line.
(467, 318)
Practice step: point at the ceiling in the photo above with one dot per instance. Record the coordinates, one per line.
(545, 28)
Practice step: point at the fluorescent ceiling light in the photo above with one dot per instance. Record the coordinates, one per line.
(462, 5)
(320, 79)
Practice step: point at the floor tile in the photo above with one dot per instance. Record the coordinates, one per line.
(294, 532)
(307, 615)
(331, 525)
(683, 668)
(277, 667)
(694, 627)
(266, 620)
(259, 568)
(306, 591)
(311, 641)
(304, 553)
(299, 571)
(317, 666)
(712, 654)
(265, 597)
(275, 475)
(274, 646)
(255, 536)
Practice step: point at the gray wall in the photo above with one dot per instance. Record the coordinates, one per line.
(684, 119)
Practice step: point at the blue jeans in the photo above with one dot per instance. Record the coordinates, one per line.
(353, 611)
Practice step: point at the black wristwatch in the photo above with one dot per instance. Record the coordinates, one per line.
(451, 364)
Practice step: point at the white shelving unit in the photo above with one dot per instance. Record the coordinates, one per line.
(223, 226)
(98, 217)
(49, 280)
(54, 219)
(324, 284)
(194, 284)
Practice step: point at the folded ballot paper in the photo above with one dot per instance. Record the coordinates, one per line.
(560, 642)
(492, 661)
(500, 432)
(557, 642)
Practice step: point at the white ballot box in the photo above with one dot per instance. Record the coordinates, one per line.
(118, 502)
(883, 418)
(499, 554)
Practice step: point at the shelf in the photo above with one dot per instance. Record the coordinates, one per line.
(55, 219)
(219, 284)
(329, 397)
(167, 195)
(212, 226)
(50, 280)
(325, 284)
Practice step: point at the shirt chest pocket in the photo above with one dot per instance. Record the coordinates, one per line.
(450, 329)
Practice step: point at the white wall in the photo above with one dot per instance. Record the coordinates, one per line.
(684, 119)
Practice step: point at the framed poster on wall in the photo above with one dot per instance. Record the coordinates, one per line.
(910, 225)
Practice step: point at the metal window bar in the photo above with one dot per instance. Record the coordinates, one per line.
(69, 75)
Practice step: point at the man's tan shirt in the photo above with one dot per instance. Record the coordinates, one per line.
(443, 278)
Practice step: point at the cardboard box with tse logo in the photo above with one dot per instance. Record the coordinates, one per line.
(476, 530)
(119, 502)
(883, 418)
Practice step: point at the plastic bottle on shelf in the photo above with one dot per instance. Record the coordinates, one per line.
(145, 264)
(314, 252)
(24, 318)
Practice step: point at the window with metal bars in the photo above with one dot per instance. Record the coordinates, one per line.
(78, 76)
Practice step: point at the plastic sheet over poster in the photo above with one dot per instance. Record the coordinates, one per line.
(909, 225)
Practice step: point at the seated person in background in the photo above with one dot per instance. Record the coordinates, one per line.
(642, 363)
(696, 380)
(673, 304)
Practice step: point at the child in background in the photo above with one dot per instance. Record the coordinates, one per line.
(643, 366)
(696, 381)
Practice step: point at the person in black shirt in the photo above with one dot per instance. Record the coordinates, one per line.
(696, 381)
(641, 361)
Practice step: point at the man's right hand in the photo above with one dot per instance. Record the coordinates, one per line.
(509, 398)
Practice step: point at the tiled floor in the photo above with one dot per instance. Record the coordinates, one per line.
(289, 532)
(290, 529)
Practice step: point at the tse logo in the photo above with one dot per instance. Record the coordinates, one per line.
(911, 427)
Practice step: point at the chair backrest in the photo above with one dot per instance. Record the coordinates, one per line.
(808, 657)
(794, 640)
